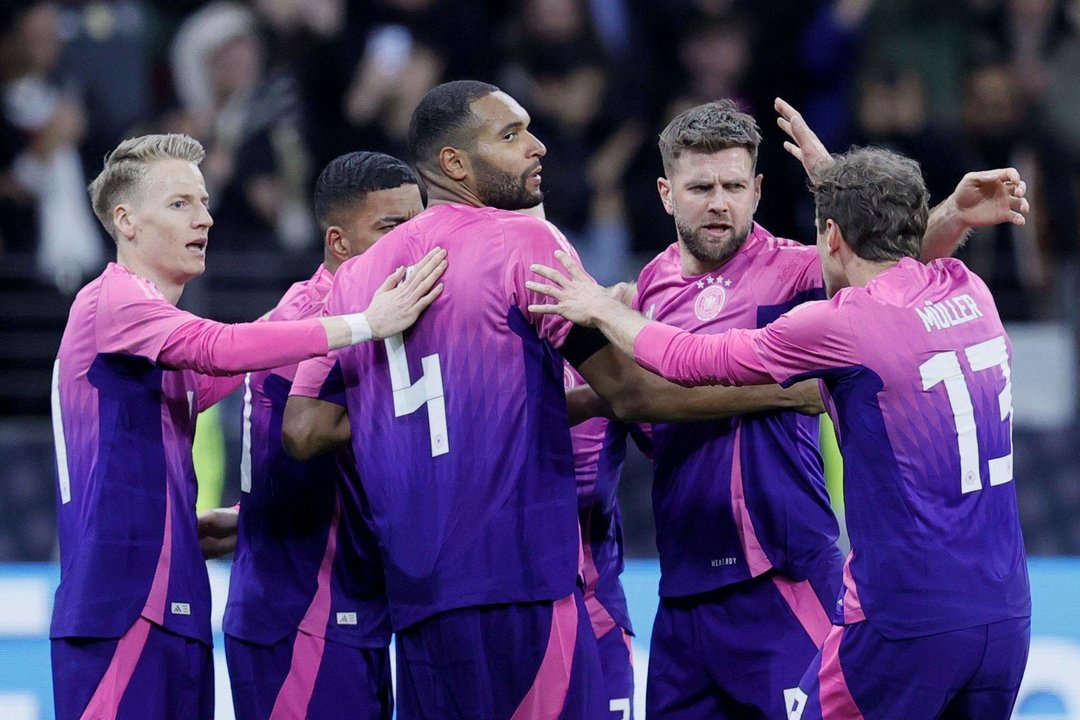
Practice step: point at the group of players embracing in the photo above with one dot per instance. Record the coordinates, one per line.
(435, 424)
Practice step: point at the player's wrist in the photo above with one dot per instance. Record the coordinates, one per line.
(359, 327)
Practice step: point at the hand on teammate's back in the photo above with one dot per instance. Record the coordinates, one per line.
(577, 296)
(400, 299)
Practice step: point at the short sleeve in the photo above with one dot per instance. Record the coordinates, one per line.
(320, 378)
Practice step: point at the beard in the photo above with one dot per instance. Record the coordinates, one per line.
(504, 190)
(706, 251)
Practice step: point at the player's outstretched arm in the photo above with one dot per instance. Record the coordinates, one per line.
(214, 348)
(988, 197)
(395, 307)
(634, 393)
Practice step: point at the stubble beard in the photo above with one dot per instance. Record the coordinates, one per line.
(711, 254)
(503, 190)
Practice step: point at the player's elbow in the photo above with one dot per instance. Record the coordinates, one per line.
(297, 437)
(631, 404)
(297, 443)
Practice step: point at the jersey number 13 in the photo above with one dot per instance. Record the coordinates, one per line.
(945, 368)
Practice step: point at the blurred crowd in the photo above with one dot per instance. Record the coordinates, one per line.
(276, 88)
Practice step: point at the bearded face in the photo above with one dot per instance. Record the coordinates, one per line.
(713, 240)
(506, 190)
(712, 197)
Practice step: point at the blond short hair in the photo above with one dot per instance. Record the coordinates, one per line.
(126, 168)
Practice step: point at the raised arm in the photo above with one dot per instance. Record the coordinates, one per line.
(988, 197)
(981, 199)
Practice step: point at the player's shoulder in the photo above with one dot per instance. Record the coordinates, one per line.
(666, 263)
(521, 225)
(305, 298)
(763, 244)
(119, 283)
(531, 236)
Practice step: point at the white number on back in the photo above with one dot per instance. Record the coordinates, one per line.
(428, 389)
(945, 368)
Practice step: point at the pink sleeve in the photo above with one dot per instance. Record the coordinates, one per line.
(213, 389)
(134, 318)
(689, 359)
(535, 241)
(802, 341)
(311, 377)
(214, 348)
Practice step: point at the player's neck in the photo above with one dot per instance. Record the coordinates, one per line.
(860, 272)
(451, 192)
(171, 289)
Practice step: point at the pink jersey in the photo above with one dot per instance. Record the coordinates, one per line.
(737, 497)
(599, 451)
(465, 449)
(917, 367)
(125, 398)
(305, 555)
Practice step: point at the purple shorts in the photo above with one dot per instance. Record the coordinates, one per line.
(738, 652)
(502, 662)
(148, 673)
(970, 673)
(303, 676)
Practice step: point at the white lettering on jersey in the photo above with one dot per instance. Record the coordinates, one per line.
(948, 313)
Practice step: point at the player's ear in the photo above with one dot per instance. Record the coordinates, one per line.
(663, 186)
(834, 236)
(454, 164)
(336, 243)
(123, 221)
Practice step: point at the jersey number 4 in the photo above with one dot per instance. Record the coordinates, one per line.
(427, 390)
(945, 368)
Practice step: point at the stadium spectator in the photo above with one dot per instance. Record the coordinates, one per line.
(42, 202)
(246, 111)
